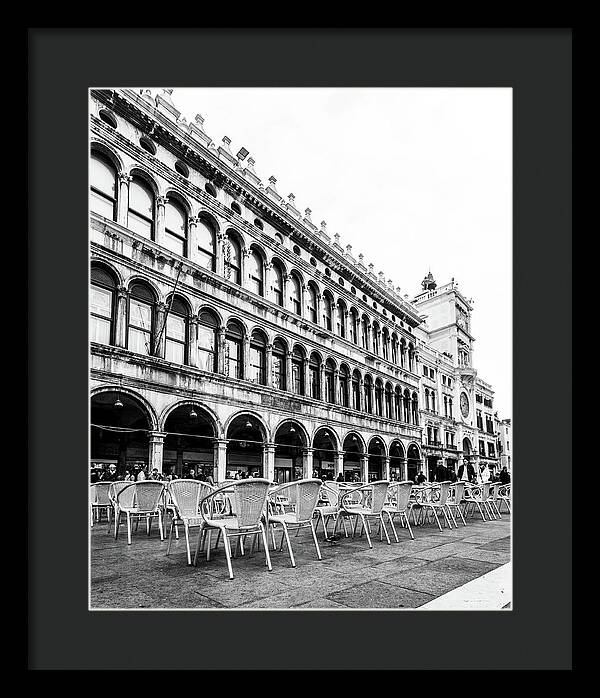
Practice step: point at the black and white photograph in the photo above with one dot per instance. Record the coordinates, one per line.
(300, 348)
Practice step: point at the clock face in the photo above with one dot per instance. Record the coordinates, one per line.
(464, 405)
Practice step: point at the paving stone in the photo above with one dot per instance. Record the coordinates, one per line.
(500, 544)
(321, 603)
(441, 551)
(499, 556)
(376, 594)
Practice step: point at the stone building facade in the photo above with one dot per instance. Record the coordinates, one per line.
(229, 332)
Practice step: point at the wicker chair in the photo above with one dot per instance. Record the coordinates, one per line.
(248, 500)
(369, 507)
(476, 496)
(114, 489)
(433, 500)
(100, 501)
(138, 500)
(492, 500)
(504, 497)
(185, 497)
(328, 506)
(455, 500)
(301, 498)
(399, 504)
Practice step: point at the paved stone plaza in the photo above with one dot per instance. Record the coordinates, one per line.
(407, 574)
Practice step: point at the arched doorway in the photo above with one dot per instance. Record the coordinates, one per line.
(353, 452)
(396, 461)
(245, 447)
(189, 443)
(324, 445)
(413, 462)
(290, 441)
(119, 432)
(376, 456)
(466, 470)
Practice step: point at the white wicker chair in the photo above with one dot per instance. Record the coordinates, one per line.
(492, 500)
(432, 500)
(456, 500)
(328, 506)
(140, 500)
(399, 504)
(100, 501)
(248, 500)
(300, 499)
(185, 498)
(369, 507)
(114, 488)
(476, 496)
(504, 497)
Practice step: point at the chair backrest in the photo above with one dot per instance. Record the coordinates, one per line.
(379, 490)
(400, 494)
(303, 495)
(100, 493)
(459, 491)
(248, 499)
(115, 489)
(485, 490)
(330, 491)
(148, 494)
(444, 488)
(185, 495)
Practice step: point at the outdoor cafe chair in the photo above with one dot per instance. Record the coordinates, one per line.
(248, 500)
(114, 488)
(492, 500)
(301, 498)
(100, 501)
(399, 504)
(373, 498)
(504, 497)
(140, 500)
(431, 500)
(476, 496)
(456, 500)
(185, 497)
(328, 506)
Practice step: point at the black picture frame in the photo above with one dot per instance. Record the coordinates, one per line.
(63, 64)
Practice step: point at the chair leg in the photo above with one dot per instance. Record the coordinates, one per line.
(408, 526)
(436, 518)
(391, 520)
(91, 516)
(161, 526)
(366, 530)
(289, 545)
(461, 514)
(201, 535)
(129, 529)
(314, 535)
(264, 537)
(208, 536)
(384, 529)
(227, 547)
(187, 542)
(170, 539)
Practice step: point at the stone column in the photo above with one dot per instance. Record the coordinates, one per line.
(336, 388)
(306, 376)
(288, 371)
(193, 341)
(221, 350)
(192, 239)
(364, 468)
(220, 459)
(244, 281)
(121, 317)
(269, 461)
(220, 254)
(307, 462)
(339, 463)
(321, 395)
(157, 439)
(160, 331)
(267, 282)
(123, 199)
(246, 358)
(269, 365)
(159, 229)
(403, 469)
(386, 468)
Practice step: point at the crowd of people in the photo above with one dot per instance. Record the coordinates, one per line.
(139, 473)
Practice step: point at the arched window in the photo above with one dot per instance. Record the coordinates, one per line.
(406, 406)
(343, 387)
(298, 371)
(233, 257)
(295, 294)
(327, 312)
(365, 327)
(140, 215)
(141, 320)
(205, 237)
(427, 398)
(379, 398)
(402, 353)
(103, 187)
(278, 283)
(450, 408)
(353, 329)
(356, 401)
(176, 332)
(394, 348)
(102, 306)
(415, 408)
(207, 341)
(256, 273)
(175, 227)
(314, 375)
(389, 400)
(279, 377)
(376, 338)
(433, 400)
(368, 394)
(411, 357)
(313, 315)
(398, 404)
(445, 405)
(234, 350)
(341, 318)
(258, 358)
(329, 381)
(385, 343)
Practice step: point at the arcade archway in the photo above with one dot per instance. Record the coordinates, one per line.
(376, 459)
(325, 447)
(353, 454)
(290, 442)
(396, 461)
(245, 447)
(413, 462)
(189, 443)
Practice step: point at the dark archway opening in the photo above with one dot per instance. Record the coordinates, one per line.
(290, 443)
(189, 444)
(376, 455)
(245, 448)
(413, 462)
(324, 455)
(396, 461)
(353, 451)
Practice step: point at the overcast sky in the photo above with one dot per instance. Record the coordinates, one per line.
(415, 179)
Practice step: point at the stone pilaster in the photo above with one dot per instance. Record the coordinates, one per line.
(123, 199)
(339, 463)
(159, 230)
(307, 462)
(192, 239)
(156, 445)
(269, 461)
(220, 459)
(193, 342)
(121, 317)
